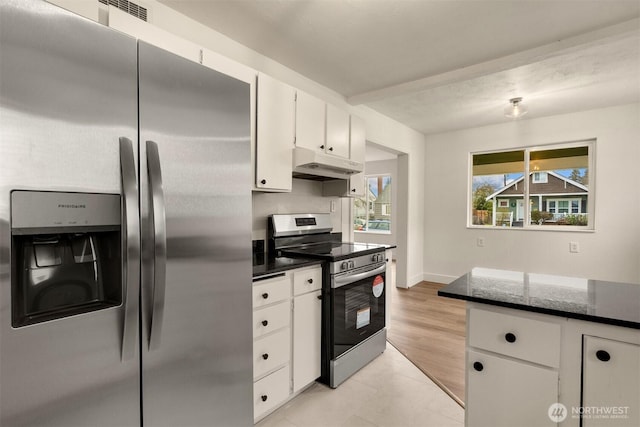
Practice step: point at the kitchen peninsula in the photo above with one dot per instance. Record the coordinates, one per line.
(549, 350)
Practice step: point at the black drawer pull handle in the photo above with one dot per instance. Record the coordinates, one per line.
(265, 295)
(265, 322)
(478, 366)
(603, 355)
(353, 190)
(322, 147)
(264, 397)
(265, 356)
(510, 337)
(319, 296)
(310, 281)
(330, 148)
(263, 182)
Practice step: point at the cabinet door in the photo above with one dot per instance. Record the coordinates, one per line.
(610, 382)
(357, 139)
(503, 392)
(337, 131)
(357, 185)
(310, 122)
(275, 134)
(307, 312)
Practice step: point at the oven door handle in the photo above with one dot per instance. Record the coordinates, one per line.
(339, 281)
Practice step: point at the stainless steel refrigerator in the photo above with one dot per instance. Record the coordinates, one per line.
(125, 230)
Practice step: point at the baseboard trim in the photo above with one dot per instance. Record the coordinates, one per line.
(438, 278)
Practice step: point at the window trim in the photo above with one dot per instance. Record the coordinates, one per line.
(366, 189)
(591, 225)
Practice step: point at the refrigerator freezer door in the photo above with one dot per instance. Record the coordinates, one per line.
(67, 94)
(197, 370)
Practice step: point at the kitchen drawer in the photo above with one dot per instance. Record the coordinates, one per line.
(270, 391)
(271, 318)
(523, 338)
(307, 280)
(270, 291)
(271, 351)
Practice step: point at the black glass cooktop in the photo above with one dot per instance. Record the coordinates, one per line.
(334, 251)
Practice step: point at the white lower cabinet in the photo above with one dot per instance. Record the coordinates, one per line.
(502, 392)
(531, 369)
(610, 383)
(307, 315)
(286, 354)
(270, 391)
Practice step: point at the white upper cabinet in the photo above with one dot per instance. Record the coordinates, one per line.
(337, 141)
(275, 134)
(310, 122)
(357, 139)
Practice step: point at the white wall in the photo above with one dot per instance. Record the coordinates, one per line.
(611, 252)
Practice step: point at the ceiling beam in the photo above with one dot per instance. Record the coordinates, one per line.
(537, 54)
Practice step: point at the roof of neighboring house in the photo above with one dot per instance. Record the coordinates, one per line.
(556, 184)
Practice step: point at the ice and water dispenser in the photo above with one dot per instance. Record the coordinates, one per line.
(66, 254)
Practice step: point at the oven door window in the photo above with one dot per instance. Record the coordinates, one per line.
(358, 311)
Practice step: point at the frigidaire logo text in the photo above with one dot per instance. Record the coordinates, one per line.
(71, 206)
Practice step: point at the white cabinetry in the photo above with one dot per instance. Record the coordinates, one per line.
(505, 392)
(355, 185)
(310, 122)
(337, 133)
(357, 148)
(512, 369)
(610, 382)
(275, 134)
(519, 363)
(307, 316)
(272, 343)
(286, 356)
(321, 127)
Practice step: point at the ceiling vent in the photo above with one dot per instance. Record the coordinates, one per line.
(128, 6)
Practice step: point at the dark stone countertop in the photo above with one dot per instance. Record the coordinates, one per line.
(599, 301)
(263, 264)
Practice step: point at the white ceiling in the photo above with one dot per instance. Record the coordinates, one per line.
(449, 64)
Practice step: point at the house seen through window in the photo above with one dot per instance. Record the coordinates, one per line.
(372, 213)
(555, 193)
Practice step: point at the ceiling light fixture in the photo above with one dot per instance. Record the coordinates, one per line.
(515, 109)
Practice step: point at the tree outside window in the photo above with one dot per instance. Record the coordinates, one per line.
(372, 213)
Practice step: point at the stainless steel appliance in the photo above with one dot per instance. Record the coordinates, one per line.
(354, 277)
(125, 230)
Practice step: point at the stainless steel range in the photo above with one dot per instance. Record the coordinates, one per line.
(353, 289)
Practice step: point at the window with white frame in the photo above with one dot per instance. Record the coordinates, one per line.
(372, 213)
(553, 178)
(539, 178)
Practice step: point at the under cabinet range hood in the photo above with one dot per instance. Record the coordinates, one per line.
(310, 163)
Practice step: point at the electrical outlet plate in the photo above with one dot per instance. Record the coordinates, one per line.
(574, 247)
(480, 242)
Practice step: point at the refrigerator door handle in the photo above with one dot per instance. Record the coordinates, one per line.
(131, 247)
(158, 222)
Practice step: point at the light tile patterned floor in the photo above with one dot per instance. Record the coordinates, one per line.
(389, 392)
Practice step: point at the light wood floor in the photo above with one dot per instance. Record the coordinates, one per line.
(430, 331)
